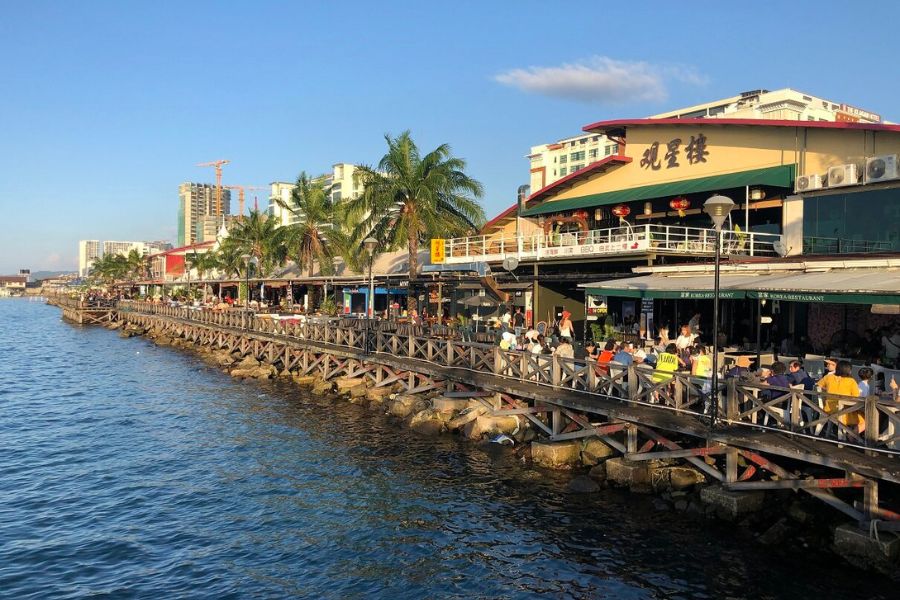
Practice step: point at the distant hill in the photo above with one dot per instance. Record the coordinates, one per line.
(39, 275)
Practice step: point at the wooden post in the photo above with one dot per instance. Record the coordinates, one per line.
(731, 402)
(679, 391)
(632, 386)
(631, 439)
(555, 370)
(796, 404)
(498, 361)
(870, 498)
(872, 423)
(731, 465)
(557, 422)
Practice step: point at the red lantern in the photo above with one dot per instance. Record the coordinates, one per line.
(680, 204)
(621, 211)
(580, 214)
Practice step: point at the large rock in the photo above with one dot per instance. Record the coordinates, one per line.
(404, 405)
(345, 384)
(665, 479)
(305, 380)
(628, 473)
(163, 340)
(486, 424)
(378, 394)
(427, 422)
(594, 451)
(248, 362)
(556, 455)
(449, 405)
(730, 504)
(467, 416)
(322, 387)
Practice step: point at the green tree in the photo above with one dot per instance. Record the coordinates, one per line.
(308, 238)
(409, 198)
(203, 262)
(258, 236)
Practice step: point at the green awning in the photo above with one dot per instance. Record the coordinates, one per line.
(842, 286)
(781, 176)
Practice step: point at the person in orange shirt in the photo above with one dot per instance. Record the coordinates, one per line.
(840, 383)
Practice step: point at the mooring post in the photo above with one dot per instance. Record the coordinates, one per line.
(731, 465)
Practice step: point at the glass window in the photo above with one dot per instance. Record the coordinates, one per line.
(577, 156)
(562, 171)
(855, 222)
(593, 154)
(574, 168)
(563, 159)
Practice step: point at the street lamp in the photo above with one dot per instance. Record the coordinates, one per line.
(369, 244)
(717, 207)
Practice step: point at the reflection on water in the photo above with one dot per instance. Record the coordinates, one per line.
(130, 470)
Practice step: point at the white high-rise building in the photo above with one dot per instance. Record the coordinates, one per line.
(551, 162)
(343, 181)
(88, 252)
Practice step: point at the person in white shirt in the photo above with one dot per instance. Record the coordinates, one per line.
(686, 339)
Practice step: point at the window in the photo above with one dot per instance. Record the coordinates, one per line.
(592, 153)
(582, 141)
(577, 155)
(563, 159)
(562, 171)
(574, 168)
(596, 138)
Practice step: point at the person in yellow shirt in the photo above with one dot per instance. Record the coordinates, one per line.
(840, 383)
(666, 364)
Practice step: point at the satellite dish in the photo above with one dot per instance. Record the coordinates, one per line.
(510, 263)
(779, 248)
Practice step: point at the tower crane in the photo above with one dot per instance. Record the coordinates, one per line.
(218, 165)
(241, 189)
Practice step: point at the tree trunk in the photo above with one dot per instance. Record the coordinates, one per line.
(412, 301)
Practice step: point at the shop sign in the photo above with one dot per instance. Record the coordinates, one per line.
(437, 251)
(860, 113)
(723, 294)
(790, 296)
(841, 117)
(694, 152)
(647, 305)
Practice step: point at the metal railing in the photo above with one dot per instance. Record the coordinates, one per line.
(825, 245)
(640, 239)
(871, 424)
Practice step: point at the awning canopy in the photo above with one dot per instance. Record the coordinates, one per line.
(781, 176)
(845, 286)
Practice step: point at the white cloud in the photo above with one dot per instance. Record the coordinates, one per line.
(601, 80)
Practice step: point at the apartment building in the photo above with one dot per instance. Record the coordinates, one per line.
(196, 200)
(343, 180)
(88, 252)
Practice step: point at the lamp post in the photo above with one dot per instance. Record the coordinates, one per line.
(369, 244)
(717, 207)
(246, 259)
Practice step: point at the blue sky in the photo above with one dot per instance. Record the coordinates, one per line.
(107, 106)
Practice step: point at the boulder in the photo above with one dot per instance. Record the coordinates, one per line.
(286, 374)
(467, 416)
(357, 392)
(594, 451)
(598, 472)
(556, 455)
(248, 363)
(345, 384)
(163, 340)
(404, 405)
(583, 485)
(449, 405)
(664, 479)
(486, 424)
(378, 394)
(775, 534)
(426, 422)
(305, 380)
(322, 387)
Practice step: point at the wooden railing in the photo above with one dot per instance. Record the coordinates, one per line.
(78, 304)
(793, 412)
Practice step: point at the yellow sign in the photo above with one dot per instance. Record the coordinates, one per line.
(437, 251)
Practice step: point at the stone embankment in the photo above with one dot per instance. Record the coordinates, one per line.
(593, 464)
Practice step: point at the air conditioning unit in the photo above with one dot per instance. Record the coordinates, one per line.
(882, 168)
(842, 175)
(806, 183)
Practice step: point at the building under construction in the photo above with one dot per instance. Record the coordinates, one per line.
(196, 201)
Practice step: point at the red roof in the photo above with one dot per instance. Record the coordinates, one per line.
(509, 211)
(599, 166)
(13, 279)
(618, 126)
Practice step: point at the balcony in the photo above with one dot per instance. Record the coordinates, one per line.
(617, 241)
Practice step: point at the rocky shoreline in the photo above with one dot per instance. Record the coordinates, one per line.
(593, 465)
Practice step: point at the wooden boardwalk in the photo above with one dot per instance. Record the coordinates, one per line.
(567, 399)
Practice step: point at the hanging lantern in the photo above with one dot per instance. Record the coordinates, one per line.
(648, 208)
(680, 204)
(580, 214)
(621, 211)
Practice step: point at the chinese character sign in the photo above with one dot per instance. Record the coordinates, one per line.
(437, 251)
(695, 151)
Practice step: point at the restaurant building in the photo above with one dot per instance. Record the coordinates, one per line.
(802, 190)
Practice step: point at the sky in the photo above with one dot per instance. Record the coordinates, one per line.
(106, 107)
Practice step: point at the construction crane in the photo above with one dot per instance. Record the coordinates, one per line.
(241, 189)
(218, 165)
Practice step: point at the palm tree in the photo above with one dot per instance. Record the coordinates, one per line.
(308, 239)
(258, 236)
(204, 262)
(410, 198)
